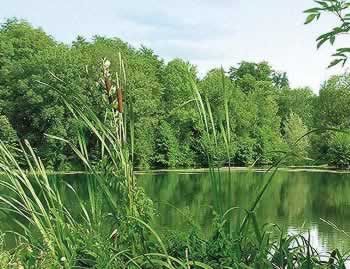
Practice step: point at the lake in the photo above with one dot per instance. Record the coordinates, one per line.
(297, 201)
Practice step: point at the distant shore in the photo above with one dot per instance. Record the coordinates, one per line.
(323, 168)
(327, 169)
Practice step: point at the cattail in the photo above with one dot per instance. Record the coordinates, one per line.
(120, 100)
(108, 85)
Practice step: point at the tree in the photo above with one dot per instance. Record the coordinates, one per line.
(33, 67)
(332, 107)
(266, 130)
(7, 133)
(300, 101)
(179, 111)
(245, 154)
(167, 151)
(247, 74)
(280, 79)
(252, 102)
(331, 111)
(294, 130)
(339, 150)
(216, 87)
(143, 91)
(218, 93)
(31, 105)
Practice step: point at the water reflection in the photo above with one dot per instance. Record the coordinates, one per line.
(294, 200)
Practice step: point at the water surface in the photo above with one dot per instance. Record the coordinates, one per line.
(297, 201)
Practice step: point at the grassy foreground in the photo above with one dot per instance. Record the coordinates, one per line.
(111, 228)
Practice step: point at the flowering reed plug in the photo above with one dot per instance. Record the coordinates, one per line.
(112, 88)
(120, 100)
(106, 75)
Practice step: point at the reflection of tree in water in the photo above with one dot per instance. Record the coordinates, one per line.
(294, 199)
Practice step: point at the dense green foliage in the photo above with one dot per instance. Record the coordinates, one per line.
(295, 130)
(7, 133)
(261, 105)
(333, 103)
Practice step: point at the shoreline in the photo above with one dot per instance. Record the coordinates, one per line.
(320, 169)
(295, 169)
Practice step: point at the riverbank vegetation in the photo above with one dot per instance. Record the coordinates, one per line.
(266, 115)
(110, 227)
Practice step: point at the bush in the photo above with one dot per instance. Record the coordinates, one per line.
(245, 151)
(339, 150)
(7, 133)
(294, 129)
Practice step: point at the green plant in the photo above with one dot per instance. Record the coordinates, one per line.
(294, 128)
(339, 150)
(339, 8)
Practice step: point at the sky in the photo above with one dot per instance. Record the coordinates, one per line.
(207, 33)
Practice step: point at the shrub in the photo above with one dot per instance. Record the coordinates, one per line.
(339, 150)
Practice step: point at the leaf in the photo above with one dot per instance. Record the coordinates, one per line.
(335, 62)
(321, 42)
(344, 62)
(339, 54)
(312, 10)
(343, 50)
(332, 39)
(310, 18)
(322, 3)
(325, 36)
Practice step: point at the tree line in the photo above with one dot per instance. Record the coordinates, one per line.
(266, 115)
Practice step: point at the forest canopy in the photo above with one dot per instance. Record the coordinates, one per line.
(267, 116)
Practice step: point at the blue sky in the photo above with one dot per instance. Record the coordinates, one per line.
(207, 33)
